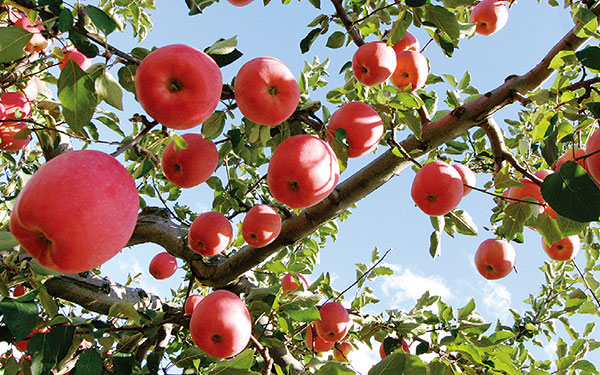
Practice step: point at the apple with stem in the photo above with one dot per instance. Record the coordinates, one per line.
(193, 165)
(163, 266)
(288, 282)
(495, 258)
(490, 16)
(363, 126)
(437, 188)
(315, 343)
(564, 249)
(261, 225)
(341, 352)
(210, 233)
(191, 302)
(334, 323)
(373, 63)
(411, 71)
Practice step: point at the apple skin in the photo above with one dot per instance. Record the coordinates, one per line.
(342, 351)
(565, 249)
(2, 111)
(220, 325)
(531, 190)
(408, 43)
(261, 225)
(467, 176)
(19, 291)
(490, 16)
(179, 86)
(37, 43)
(570, 156)
(8, 131)
(191, 302)
(240, 3)
(334, 323)
(71, 53)
(16, 105)
(373, 63)
(266, 91)
(411, 69)
(163, 266)
(363, 126)
(593, 162)
(288, 283)
(403, 344)
(87, 229)
(495, 258)
(303, 171)
(437, 188)
(210, 233)
(320, 345)
(191, 166)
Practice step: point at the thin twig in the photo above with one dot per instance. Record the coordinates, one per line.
(148, 125)
(393, 142)
(367, 272)
(586, 283)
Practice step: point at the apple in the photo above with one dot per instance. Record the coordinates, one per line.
(373, 63)
(76, 212)
(288, 283)
(37, 43)
(220, 325)
(363, 126)
(342, 352)
(179, 86)
(190, 166)
(22, 345)
(8, 131)
(593, 161)
(315, 343)
(261, 226)
(210, 233)
(396, 344)
(531, 190)
(266, 91)
(240, 3)
(16, 105)
(411, 69)
(19, 291)
(408, 43)
(437, 188)
(495, 258)
(31, 91)
(71, 53)
(303, 171)
(490, 16)
(565, 249)
(2, 111)
(334, 323)
(163, 265)
(571, 155)
(467, 176)
(191, 302)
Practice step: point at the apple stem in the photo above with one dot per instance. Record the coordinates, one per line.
(272, 90)
(175, 85)
(217, 338)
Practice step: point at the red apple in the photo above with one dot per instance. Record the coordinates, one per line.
(490, 16)
(396, 345)
(37, 42)
(22, 345)
(190, 166)
(342, 352)
(2, 111)
(261, 226)
(19, 291)
(221, 324)
(315, 343)
(531, 190)
(303, 171)
(240, 3)
(16, 105)
(411, 69)
(467, 176)
(179, 86)
(437, 188)
(210, 234)
(593, 162)
(8, 131)
(76, 212)
(495, 258)
(363, 126)
(565, 249)
(571, 155)
(288, 283)
(71, 53)
(163, 265)
(408, 43)
(266, 91)
(334, 323)
(191, 302)
(373, 63)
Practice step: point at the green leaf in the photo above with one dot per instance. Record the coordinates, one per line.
(20, 317)
(583, 364)
(467, 310)
(336, 40)
(572, 193)
(242, 361)
(102, 20)
(213, 127)
(43, 352)
(435, 244)
(515, 216)
(12, 366)
(399, 28)
(589, 57)
(399, 363)
(413, 122)
(83, 44)
(89, 363)
(125, 309)
(13, 40)
(445, 20)
(417, 3)
(594, 108)
(76, 92)
(109, 90)
(503, 180)
(464, 222)
(333, 368)
(123, 363)
(7, 241)
(65, 20)
(304, 315)
(316, 3)
(179, 143)
(549, 229)
(222, 46)
(127, 77)
(309, 39)
(339, 146)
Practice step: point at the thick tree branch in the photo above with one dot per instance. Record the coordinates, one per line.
(347, 22)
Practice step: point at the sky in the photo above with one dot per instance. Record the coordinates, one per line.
(387, 218)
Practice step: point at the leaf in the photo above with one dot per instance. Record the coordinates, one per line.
(102, 20)
(83, 44)
(594, 108)
(589, 57)
(213, 127)
(20, 317)
(242, 361)
(304, 315)
(43, 352)
(464, 222)
(222, 46)
(445, 20)
(13, 40)
(7, 241)
(417, 3)
(572, 193)
(65, 20)
(89, 363)
(77, 95)
(109, 90)
(515, 216)
(123, 363)
(309, 39)
(467, 310)
(333, 368)
(549, 229)
(569, 227)
(435, 244)
(339, 146)
(399, 363)
(413, 122)
(179, 143)
(125, 309)
(336, 40)
(127, 77)
(399, 28)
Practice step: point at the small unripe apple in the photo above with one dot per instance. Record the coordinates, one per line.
(363, 126)
(495, 258)
(408, 43)
(193, 165)
(163, 265)
(437, 188)
(334, 323)
(341, 353)
(411, 69)
(467, 176)
(261, 225)
(490, 16)
(315, 343)
(210, 233)
(71, 53)
(564, 249)
(191, 302)
(373, 63)
(288, 283)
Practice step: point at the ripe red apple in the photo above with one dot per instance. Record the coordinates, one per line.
(593, 162)
(179, 86)
(363, 126)
(495, 258)
(76, 212)
(191, 302)
(221, 324)
(570, 156)
(8, 131)
(565, 249)
(531, 190)
(315, 343)
(37, 42)
(334, 323)
(19, 291)
(2, 111)
(408, 43)
(190, 166)
(341, 353)
(210, 234)
(303, 171)
(437, 188)
(261, 226)
(163, 265)
(400, 343)
(266, 91)
(490, 16)
(240, 3)
(467, 176)
(411, 69)
(71, 53)
(16, 105)
(288, 283)
(373, 63)
(22, 345)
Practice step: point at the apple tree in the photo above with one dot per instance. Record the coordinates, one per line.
(80, 183)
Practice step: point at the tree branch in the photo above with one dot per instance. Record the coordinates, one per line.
(347, 22)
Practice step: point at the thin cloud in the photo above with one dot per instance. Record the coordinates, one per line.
(497, 300)
(409, 286)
